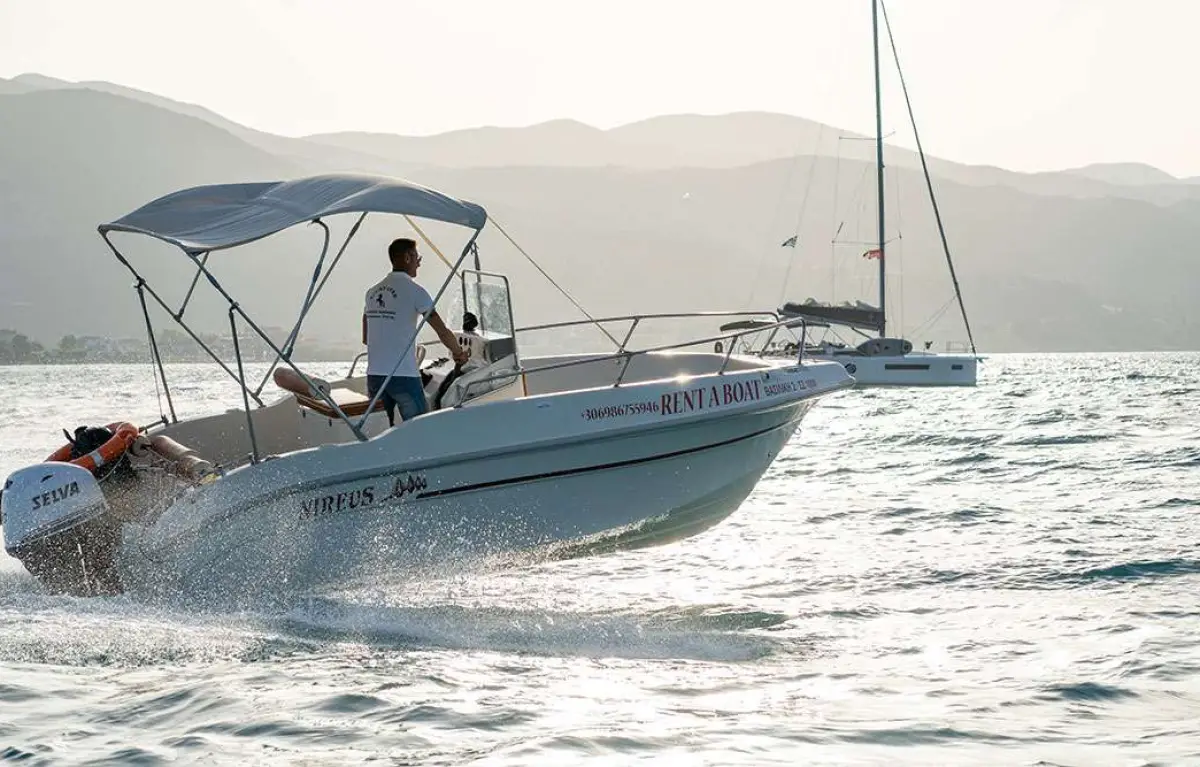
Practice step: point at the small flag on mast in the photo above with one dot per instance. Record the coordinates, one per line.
(873, 253)
(790, 242)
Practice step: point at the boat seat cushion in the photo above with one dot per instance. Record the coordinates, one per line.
(352, 403)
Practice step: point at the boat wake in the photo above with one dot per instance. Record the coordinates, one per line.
(116, 631)
(537, 632)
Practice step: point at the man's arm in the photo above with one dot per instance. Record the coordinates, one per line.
(447, 338)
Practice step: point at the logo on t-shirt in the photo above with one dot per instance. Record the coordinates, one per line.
(378, 300)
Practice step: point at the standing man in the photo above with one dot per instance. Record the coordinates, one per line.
(394, 307)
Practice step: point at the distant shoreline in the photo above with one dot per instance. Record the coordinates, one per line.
(205, 361)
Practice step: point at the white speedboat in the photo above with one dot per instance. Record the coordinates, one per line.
(573, 453)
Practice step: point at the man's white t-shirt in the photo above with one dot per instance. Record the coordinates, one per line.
(393, 308)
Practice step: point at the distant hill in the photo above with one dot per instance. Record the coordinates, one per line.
(668, 141)
(74, 159)
(283, 146)
(8, 87)
(36, 82)
(674, 141)
(722, 141)
(1106, 263)
(1038, 273)
(1125, 174)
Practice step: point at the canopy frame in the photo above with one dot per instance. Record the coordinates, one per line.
(465, 214)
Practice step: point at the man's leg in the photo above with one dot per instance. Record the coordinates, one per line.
(389, 405)
(409, 396)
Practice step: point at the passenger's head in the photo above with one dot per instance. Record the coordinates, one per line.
(404, 256)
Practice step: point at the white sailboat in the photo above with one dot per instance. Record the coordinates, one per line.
(880, 359)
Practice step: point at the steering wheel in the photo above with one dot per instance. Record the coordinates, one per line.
(445, 385)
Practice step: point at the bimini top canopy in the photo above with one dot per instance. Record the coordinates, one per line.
(220, 216)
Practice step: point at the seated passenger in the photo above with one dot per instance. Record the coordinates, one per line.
(470, 323)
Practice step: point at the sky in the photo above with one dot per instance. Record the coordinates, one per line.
(1022, 84)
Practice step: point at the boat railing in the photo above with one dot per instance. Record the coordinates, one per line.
(635, 321)
(626, 355)
(354, 363)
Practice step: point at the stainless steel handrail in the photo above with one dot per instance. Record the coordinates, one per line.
(354, 363)
(635, 319)
(638, 318)
(625, 355)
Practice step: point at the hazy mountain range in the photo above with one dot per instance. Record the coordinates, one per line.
(679, 212)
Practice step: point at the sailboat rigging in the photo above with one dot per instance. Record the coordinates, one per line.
(883, 359)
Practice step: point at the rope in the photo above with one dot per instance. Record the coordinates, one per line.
(154, 374)
(835, 224)
(800, 215)
(420, 232)
(155, 356)
(899, 251)
(560, 288)
(933, 319)
(772, 242)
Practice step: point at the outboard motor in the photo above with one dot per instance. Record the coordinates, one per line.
(57, 522)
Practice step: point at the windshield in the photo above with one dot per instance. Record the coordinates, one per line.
(486, 296)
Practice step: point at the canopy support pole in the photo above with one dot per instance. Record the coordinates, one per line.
(237, 352)
(162, 374)
(314, 292)
(290, 342)
(195, 279)
(283, 356)
(166, 308)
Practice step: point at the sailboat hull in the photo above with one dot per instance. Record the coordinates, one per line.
(912, 369)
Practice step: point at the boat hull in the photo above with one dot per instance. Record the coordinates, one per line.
(685, 479)
(393, 511)
(913, 369)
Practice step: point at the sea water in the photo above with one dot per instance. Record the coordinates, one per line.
(1001, 575)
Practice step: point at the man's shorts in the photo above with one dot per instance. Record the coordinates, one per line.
(403, 392)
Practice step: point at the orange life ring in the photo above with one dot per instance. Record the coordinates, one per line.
(123, 436)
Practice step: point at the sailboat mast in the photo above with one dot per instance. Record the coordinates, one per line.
(879, 165)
